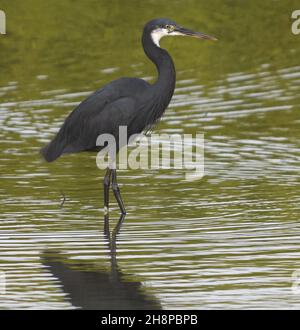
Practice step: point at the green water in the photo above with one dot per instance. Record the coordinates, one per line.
(230, 240)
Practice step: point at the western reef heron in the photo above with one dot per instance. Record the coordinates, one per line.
(130, 102)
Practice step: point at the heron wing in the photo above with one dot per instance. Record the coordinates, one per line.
(84, 131)
(102, 112)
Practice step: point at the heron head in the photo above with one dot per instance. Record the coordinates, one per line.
(163, 27)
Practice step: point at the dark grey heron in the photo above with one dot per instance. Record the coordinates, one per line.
(129, 102)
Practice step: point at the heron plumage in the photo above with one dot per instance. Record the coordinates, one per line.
(130, 102)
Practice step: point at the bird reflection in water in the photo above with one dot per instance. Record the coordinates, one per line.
(100, 290)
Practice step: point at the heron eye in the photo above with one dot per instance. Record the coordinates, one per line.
(170, 28)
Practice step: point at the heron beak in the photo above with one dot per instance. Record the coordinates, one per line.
(186, 32)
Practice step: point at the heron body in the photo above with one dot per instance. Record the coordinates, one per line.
(130, 102)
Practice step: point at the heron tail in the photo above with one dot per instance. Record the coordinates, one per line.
(52, 150)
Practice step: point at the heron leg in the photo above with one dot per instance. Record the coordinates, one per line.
(106, 184)
(116, 191)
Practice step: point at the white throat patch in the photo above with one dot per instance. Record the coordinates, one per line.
(157, 34)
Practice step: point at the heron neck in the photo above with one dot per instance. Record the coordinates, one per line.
(165, 83)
